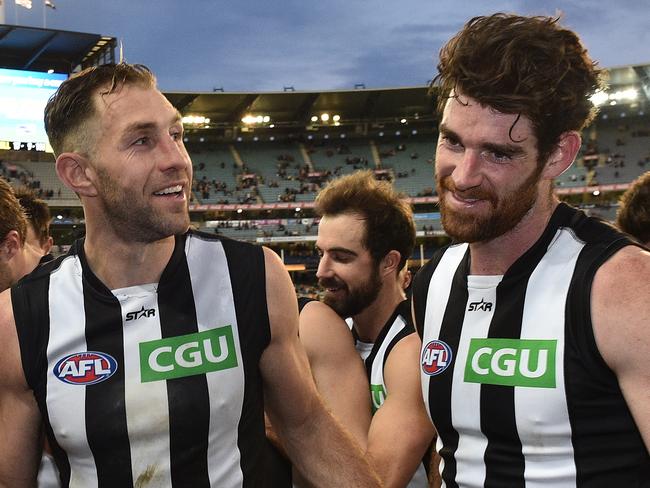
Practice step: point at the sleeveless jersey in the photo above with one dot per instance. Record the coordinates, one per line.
(154, 385)
(398, 326)
(511, 373)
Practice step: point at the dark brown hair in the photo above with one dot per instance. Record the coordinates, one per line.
(73, 104)
(528, 66)
(37, 213)
(388, 217)
(12, 216)
(633, 215)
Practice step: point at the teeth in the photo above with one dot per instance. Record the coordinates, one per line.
(171, 189)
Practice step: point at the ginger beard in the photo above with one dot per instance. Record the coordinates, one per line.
(507, 210)
(348, 301)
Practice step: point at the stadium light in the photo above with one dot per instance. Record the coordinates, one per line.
(403, 121)
(195, 120)
(601, 97)
(314, 118)
(336, 118)
(325, 117)
(251, 119)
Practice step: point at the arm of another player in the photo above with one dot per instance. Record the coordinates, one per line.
(620, 307)
(316, 443)
(20, 421)
(337, 368)
(401, 430)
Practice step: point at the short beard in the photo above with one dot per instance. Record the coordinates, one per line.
(357, 300)
(130, 219)
(507, 211)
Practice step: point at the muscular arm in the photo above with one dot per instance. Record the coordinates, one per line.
(400, 431)
(19, 416)
(620, 307)
(337, 368)
(314, 440)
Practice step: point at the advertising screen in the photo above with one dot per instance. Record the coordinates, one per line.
(23, 95)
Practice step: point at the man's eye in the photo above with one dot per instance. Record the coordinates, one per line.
(497, 157)
(451, 142)
(141, 141)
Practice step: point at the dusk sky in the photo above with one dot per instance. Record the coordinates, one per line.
(256, 45)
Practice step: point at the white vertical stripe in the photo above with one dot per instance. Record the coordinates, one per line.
(465, 396)
(541, 413)
(215, 308)
(437, 298)
(146, 403)
(377, 373)
(66, 403)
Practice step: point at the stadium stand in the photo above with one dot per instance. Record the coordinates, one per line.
(258, 157)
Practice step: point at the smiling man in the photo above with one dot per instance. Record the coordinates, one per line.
(365, 237)
(535, 347)
(150, 352)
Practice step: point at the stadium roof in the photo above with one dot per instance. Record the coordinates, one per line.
(35, 49)
(296, 108)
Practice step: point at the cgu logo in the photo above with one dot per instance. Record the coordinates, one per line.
(141, 313)
(512, 362)
(436, 357)
(378, 395)
(478, 306)
(85, 368)
(188, 355)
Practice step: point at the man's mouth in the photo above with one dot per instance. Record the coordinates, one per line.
(175, 190)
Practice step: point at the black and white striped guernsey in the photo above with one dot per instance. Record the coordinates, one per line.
(153, 385)
(510, 371)
(397, 327)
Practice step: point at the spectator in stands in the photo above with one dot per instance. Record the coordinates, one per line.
(38, 217)
(17, 257)
(528, 276)
(119, 145)
(633, 216)
(365, 237)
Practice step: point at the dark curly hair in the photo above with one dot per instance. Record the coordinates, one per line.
(73, 104)
(633, 216)
(529, 66)
(388, 217)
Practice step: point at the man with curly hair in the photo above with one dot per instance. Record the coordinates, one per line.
(633, 216)
(535, 351)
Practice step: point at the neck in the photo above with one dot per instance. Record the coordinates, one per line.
(495, 257)
(372, 319)
(120, 264)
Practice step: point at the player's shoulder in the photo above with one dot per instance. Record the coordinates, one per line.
(625, 272)
(10, 364)
(403, 352)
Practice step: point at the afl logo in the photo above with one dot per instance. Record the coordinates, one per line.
(85, 368)
(436, 357)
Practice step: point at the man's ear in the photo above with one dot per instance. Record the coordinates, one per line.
(563, 155)
(390, 262)
(74, 170)
(10, 245)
